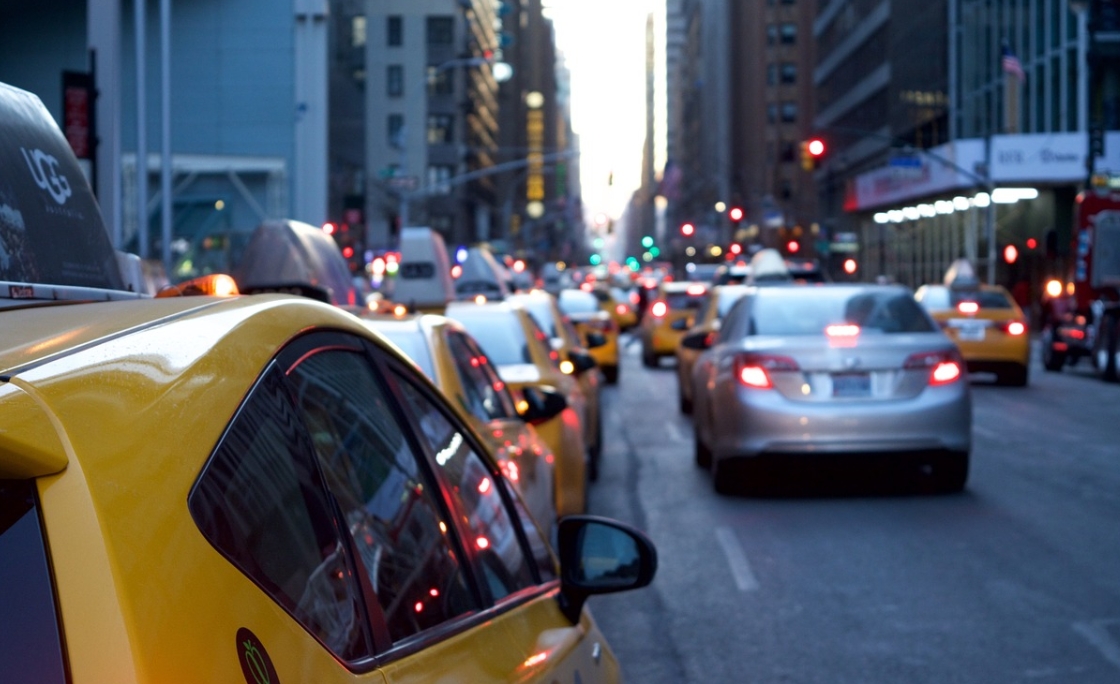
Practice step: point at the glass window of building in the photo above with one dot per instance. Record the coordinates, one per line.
(440, 128)
(789, 33)
(439, 81)
(772, 113)
(394, 30)
(394, 80)
(789, 72)
(438, 176)
(441, 30)
(771, 74)
(771, 34)
(395, 130)
(789, 112)
(358, 31)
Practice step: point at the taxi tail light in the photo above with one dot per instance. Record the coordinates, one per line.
(621, 310)
(1015, 328)
(945, 367)
(659, 309)
(753, 370)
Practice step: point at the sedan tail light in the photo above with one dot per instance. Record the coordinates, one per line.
(753, 370)
(945, 367)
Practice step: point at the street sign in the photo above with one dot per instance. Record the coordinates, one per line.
(407, 183)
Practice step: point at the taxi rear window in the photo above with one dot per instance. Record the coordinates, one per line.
(946, 298)
(678, 301)
(30, 642)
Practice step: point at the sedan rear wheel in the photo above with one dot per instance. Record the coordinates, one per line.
(1051, 360)
(725, 472)
(952, 473)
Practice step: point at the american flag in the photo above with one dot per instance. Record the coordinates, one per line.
(1012, 65)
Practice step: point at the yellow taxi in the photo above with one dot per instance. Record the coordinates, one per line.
(988, 326)
(668, 316)
(618, 303)
(575, 360)
(597, 329)
(707, 321)
(250, 488)
(520, 351)
(452, 359)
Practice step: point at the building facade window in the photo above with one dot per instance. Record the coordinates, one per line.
(394, 30)
(789, 112)
(789, 72)
(771, 34)
(439, 81)
(358, 31)
(395, 130)
(771, 74)
(438, 177)
(394, 80)
(789, 151)
(788, 33)
(440, 128)
(772, 113)
(441, 30)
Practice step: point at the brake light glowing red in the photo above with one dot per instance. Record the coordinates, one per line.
(621, 309)
(753, 370)
(968, 308)
(1015, 328)
(945, 367)
(696, 290)
(659, 309)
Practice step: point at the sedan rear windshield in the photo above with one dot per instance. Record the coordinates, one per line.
(809, 311)
(679, 301)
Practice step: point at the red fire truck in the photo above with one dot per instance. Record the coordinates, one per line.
(1082, 313)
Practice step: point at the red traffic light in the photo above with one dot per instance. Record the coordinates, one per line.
(793, 246)
(688, 230)
(735, 248)
(815, 147)
(1010, 254)
(735, 214)
(1032, 243)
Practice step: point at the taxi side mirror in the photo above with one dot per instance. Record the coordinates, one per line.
(595, 340)
(699, 340)
(600, 556)
(541, 404)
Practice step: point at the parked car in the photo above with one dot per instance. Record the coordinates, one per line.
(805, 374)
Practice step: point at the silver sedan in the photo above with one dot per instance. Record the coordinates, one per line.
(810, 373)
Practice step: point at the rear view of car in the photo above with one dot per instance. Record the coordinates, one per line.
(989, 328)
(667, 317)
(800, 372)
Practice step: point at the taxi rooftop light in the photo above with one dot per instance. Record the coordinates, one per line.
(214, 284)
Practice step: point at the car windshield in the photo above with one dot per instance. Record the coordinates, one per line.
(809, 311)
(578, 302)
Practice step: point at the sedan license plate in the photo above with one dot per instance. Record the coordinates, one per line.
(851, 385)
(971, 332)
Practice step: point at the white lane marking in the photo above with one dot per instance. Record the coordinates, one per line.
(1096, 633)
(737, 559)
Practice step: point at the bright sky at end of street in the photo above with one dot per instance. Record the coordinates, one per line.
(603, 43)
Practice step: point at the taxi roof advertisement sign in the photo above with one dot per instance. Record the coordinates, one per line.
(51, 232)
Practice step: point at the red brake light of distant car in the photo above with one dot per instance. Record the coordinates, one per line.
(635, 298)
(945, 367)
(621, 310)
(696, 290)
(649, 283)
(753, 370)
(659, 309)
(1015, 328)
(968, 308)
(586, 287)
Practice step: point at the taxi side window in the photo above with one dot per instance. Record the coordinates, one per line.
(479, 498)
(488, 399)
(261, 503)
(392, 513)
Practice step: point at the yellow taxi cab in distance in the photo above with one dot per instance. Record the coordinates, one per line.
(719, 302)
(988, 326)
(596, 327)
(575, 360)
(520, 351)
(669, 314)
(452, 359)
(251, 488)
(618, 303)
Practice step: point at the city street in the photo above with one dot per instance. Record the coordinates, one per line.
(1017, 579)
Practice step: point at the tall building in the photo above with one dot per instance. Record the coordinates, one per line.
(772, 96)
(431, 117)
(979, 144)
